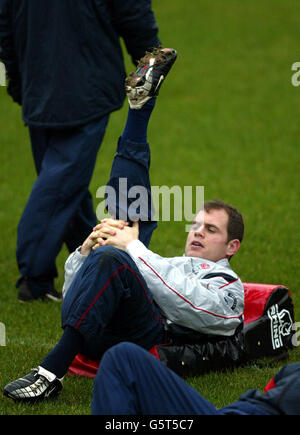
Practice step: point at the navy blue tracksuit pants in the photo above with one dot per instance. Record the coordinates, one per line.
(60, 208)
(131, 381)
(109, 301)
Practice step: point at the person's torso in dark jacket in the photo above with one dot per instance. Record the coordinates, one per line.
(70, 57)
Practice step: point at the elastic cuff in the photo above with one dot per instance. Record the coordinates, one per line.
(136, 248)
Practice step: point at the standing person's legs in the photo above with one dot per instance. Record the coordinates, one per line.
(131, 381)
(65, 166)
(84, 219)
(81, 224)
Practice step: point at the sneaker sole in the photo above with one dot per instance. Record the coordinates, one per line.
(138, 87)
(51, 395)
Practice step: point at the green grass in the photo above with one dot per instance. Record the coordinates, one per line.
(227, 119)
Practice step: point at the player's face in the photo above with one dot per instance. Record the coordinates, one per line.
(208, 236)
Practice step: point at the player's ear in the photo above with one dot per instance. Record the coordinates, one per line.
(232, 247)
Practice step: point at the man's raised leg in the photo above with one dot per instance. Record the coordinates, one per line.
(129, 178)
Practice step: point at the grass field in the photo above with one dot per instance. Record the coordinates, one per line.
(228, 120)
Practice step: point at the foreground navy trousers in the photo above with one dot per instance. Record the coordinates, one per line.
(131, 381)
(60, 207)
(109, 301)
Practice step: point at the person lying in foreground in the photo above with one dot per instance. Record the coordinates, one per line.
(131, 381)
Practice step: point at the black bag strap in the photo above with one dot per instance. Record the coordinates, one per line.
(227, 277)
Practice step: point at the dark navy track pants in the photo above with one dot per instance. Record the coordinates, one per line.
(131, 381)
(60, 208)
(109, 302)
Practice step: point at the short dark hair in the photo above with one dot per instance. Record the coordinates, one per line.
(235, 226)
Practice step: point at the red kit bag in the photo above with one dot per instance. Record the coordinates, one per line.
(268, 326)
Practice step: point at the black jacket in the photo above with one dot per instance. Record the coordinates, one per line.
(63, 58)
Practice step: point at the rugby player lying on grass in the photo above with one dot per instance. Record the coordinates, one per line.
(117, 290)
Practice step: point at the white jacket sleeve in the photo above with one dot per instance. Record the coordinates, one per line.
(72, 265)
(211, 306)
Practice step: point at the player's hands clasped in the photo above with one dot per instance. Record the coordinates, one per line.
(114, 232)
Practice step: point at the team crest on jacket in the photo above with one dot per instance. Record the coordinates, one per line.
(281, 325)
(205, 266)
